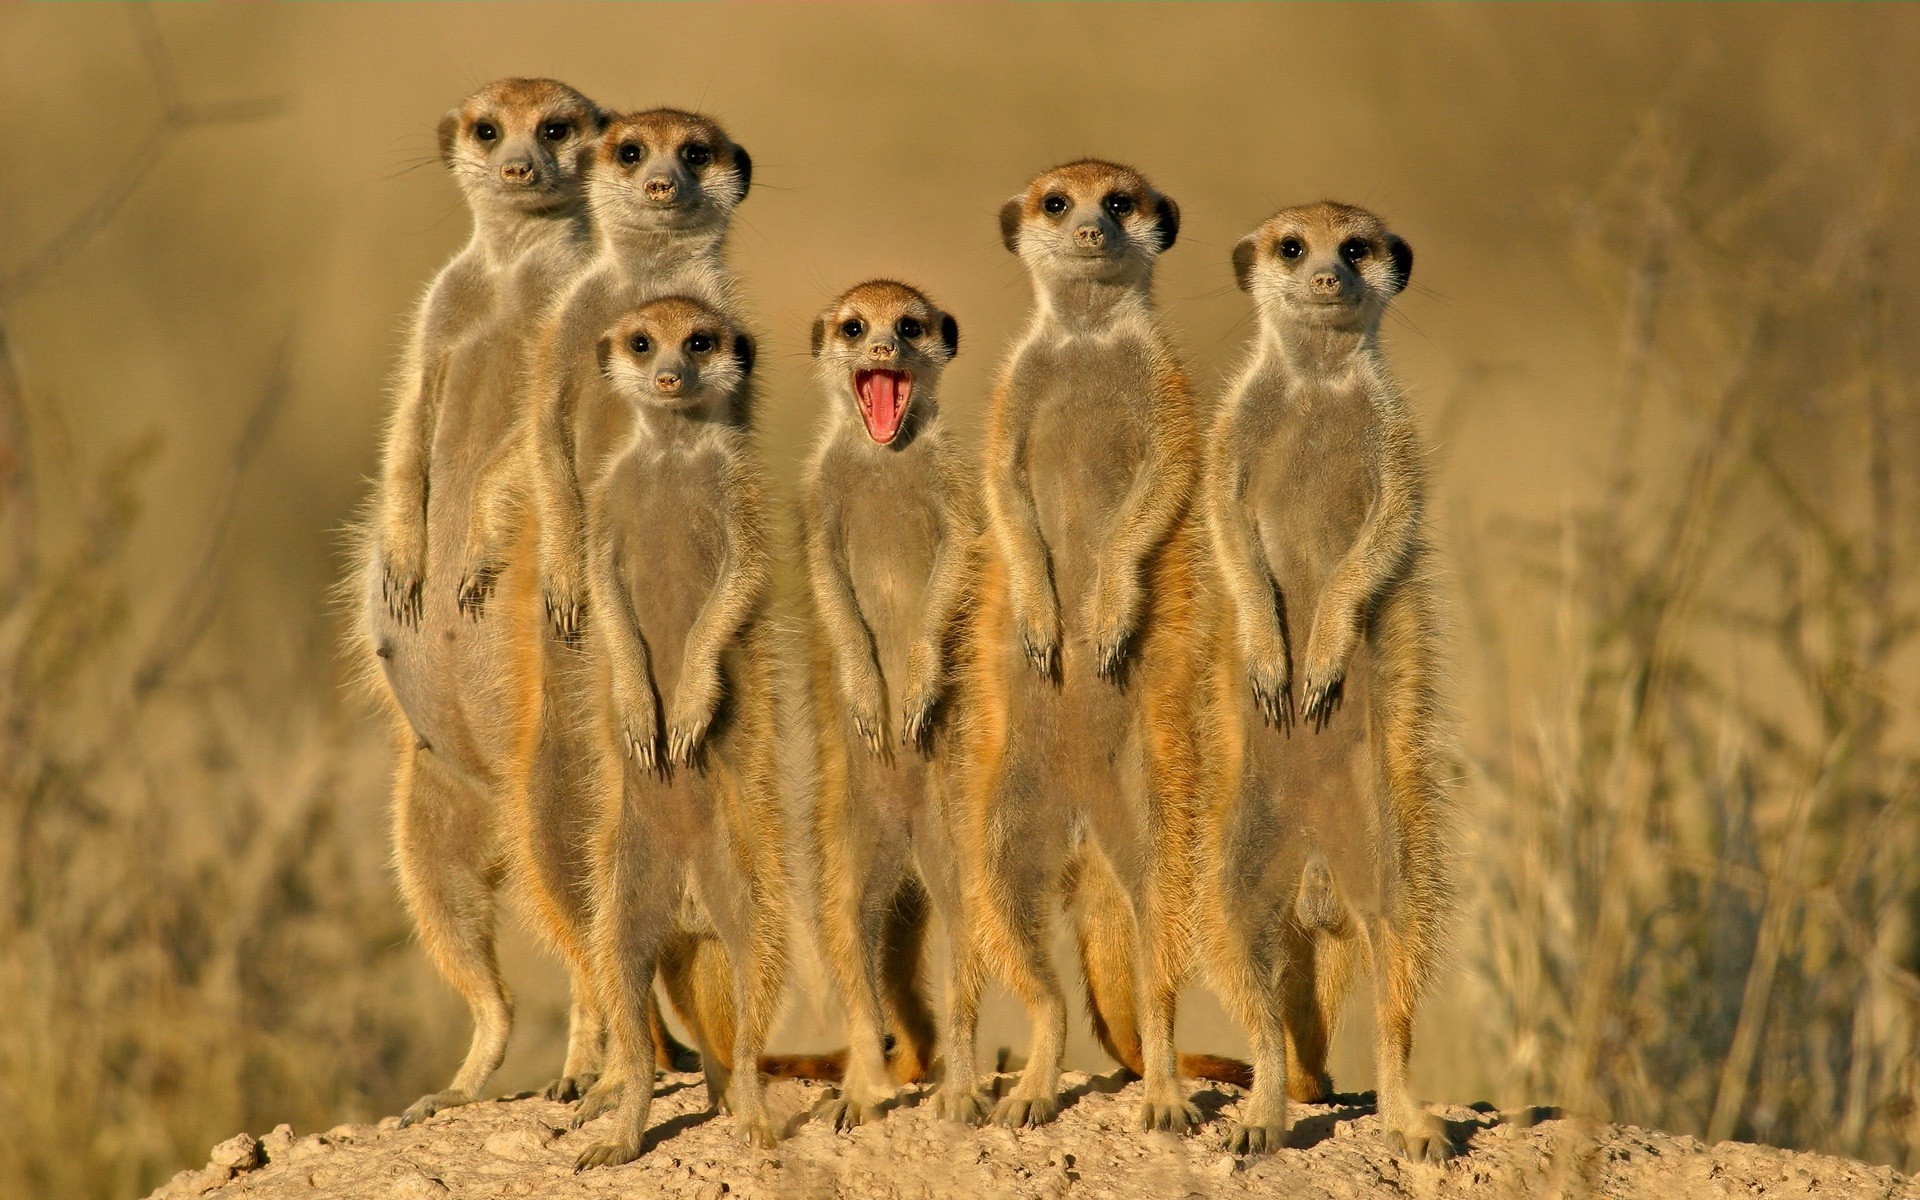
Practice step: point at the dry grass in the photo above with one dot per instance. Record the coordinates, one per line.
(1698, 851)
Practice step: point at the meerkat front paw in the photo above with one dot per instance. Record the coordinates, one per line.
(602, 1097)
(401, 587)
(1111, 617)
(923, 694)
(1269, 675)
(1039, 626)
(757, 1131)
(1329, 649)
(569, 1088)
(864, 709)
(564, 592)
(476, 587)
(692, 714)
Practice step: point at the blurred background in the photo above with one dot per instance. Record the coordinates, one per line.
(1661, 335)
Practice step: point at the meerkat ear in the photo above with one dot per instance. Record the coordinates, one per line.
(1166, 218)
(1244, 252)
(950, 334)
(1010, 223)
(1402, 256)
(743, 352)
(604, 352)
(819, 335)
(602, 119)
(449, 127)
(743, 164)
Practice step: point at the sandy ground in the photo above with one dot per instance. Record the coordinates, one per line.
(521, 1147)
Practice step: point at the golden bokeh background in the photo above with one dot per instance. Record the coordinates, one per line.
(194, 194)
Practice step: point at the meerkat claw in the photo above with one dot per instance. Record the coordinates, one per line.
(476, 589)
(402, 595)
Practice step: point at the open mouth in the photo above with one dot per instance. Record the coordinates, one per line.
(883, 397)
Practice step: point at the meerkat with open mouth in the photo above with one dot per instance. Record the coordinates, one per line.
(890, 523)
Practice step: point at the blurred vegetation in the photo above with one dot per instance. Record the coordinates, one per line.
(1661, 329)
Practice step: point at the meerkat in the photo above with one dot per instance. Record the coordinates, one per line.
(659, 187)
(465, 696)
(890, 523)
(1084, 664)
(690, 869)
(1330, 836)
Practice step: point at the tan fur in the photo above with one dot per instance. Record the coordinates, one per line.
(643, 245)
(690, 870)
(1083, 666)
(890, 524)
(466, 697)
(1329, 836)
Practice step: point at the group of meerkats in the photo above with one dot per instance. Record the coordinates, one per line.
(1180, 679)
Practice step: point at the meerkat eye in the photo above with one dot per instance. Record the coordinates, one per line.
(852, 328)
(556, 131)
(1354, 250)
(629, 152)
(1119, 204)
(697, 154)
(1292, 247)
(909, 328)
(699, 343)
(639, 344)
(485, 131)
(1054, 204)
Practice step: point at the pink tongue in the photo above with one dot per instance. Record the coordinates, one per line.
(883, 406)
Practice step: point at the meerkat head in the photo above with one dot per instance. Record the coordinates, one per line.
(521, 144)
(666, 171)
(1090, 220)
(1327, 265)
(678, 355)
(879, 345)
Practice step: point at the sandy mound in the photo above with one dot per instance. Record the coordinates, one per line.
(521, 1147)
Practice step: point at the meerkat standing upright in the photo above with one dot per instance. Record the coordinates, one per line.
(660, 186)
(691, 847)
(890, 524)
(1332, 823)
(1084, 660)
(465, 696)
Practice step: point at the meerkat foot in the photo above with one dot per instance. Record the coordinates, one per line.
(606, 1154)
(1016, 1111)
(600, 1098)
(569, 1088)
(426, 1106)
(757, 1131)
(1245, 1138)
(1170, 1113)
(963, 1105)
(1424, 1139)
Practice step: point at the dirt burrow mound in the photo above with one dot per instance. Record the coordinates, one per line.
(522, 1147)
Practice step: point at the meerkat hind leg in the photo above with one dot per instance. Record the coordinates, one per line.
(445, 852)
(1410, 1130)
(1258, 967)
(858, 917)
(903, 981)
